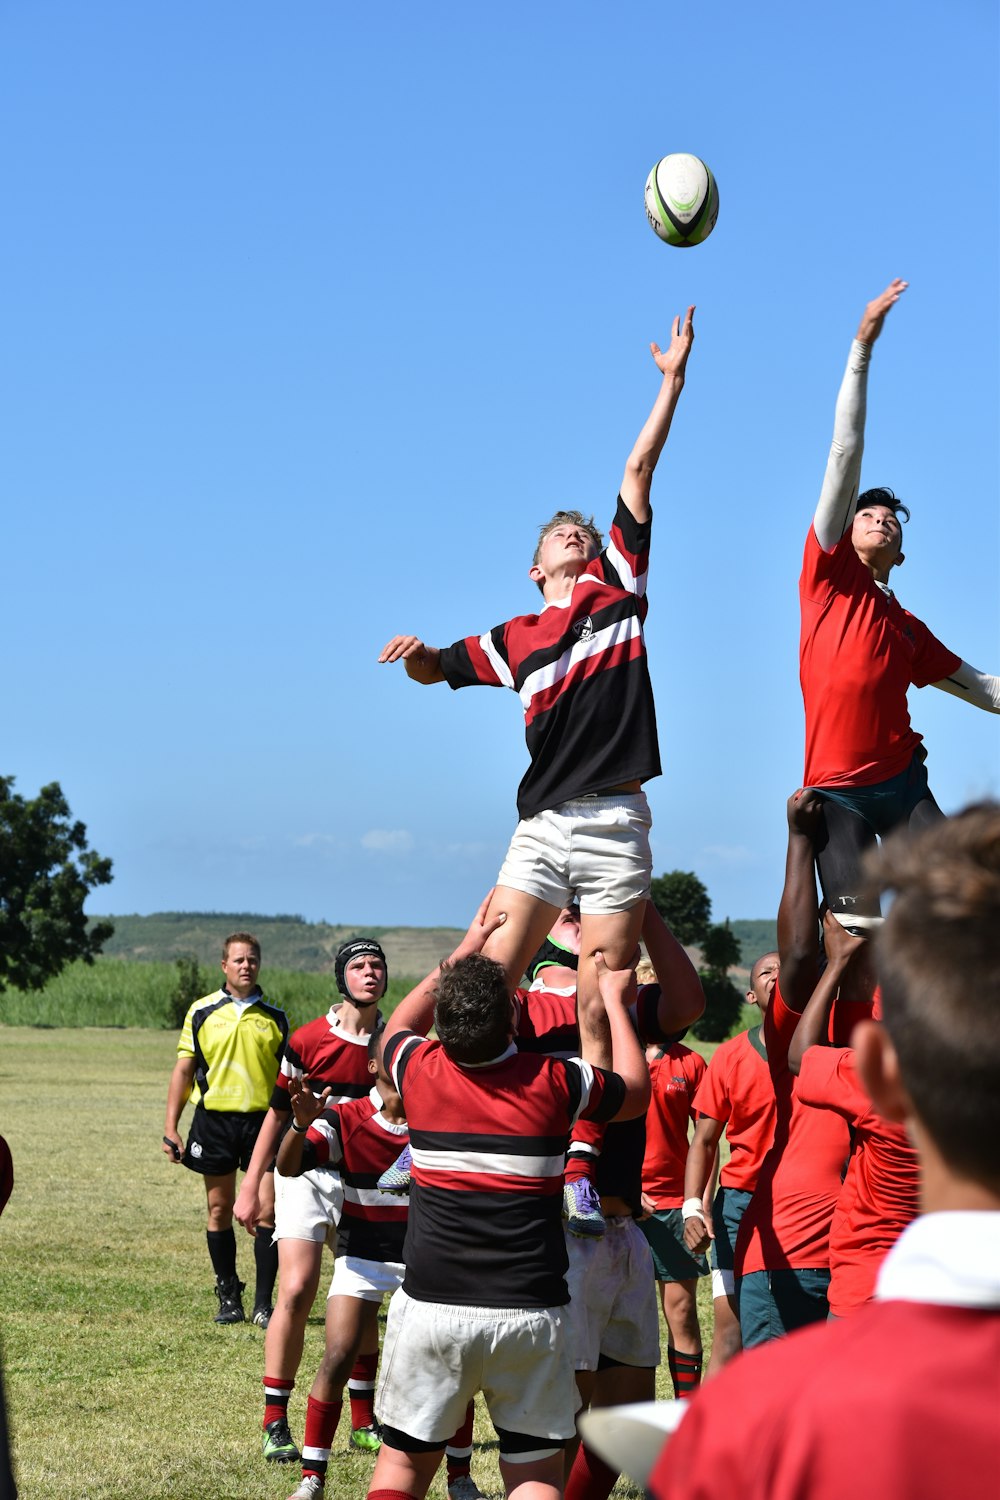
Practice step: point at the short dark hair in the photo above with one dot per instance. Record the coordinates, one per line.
(938, 953)
(240, 937)
(472, 1014)
(887, 498)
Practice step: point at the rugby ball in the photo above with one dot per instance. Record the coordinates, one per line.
(682, 200)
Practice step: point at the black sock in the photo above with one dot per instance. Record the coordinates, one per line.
(222, 1250)
(265, 1254)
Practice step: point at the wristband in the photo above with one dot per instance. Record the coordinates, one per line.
(299, 1129)
(693, 1209)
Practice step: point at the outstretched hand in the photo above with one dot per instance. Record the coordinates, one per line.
(673, 360)
(306, 1106)
(422, 663)
(840, 944)
(874, 314)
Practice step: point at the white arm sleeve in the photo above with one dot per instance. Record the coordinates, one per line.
(842, 479)
(976, 687)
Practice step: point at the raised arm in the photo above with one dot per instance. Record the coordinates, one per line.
(977, 688)
(812, 1030)
(628, 1060)
(422, 663)
(641, 462)
(415, 1012)
(682, 999)
(798, 935)
(839, 495)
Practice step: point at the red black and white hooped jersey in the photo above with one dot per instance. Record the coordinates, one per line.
(330, 1056)
(358, 1140)
(489, 1145)
(580, 671)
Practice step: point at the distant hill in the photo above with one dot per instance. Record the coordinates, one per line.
(288, 942)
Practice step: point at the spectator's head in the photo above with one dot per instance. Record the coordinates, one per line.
(936, 1061)
(361, 972)
(763, 978)
(473, 1010)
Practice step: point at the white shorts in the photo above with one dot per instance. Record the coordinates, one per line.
(436, 1356)
(594, 850)
(365, 1280)
(723, 1284)
(308, 1207)
(612, 1290)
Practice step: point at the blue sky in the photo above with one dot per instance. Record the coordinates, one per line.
(312, 313)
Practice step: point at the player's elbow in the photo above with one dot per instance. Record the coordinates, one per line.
(636, 1101)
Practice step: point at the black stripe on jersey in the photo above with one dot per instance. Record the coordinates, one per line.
(505, 1145)
(621, 607)
(456, 666)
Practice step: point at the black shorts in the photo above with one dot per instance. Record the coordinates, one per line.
(221, 1140)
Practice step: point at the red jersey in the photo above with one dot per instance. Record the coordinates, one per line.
(489, 1145)
(580, 671)
(881, 1192)
(787, 1223)
(738, 1090)
(357, 1138)
(330, 1056)
(674, 1079)
(848, 1409)
(859, 651)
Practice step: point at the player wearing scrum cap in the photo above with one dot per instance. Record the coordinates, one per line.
(329, 1052)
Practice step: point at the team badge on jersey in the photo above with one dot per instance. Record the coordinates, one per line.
(584, 629)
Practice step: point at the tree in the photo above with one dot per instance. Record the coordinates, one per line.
(683, 902)
(46, 874)
(720, 950)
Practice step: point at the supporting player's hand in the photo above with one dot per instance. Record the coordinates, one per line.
(874, 314)
(804, 808)
(306, 1106)
(483, 925)
(673, 361)
(422, 663)
(173, 1147)
(840, 944)
(617, 986)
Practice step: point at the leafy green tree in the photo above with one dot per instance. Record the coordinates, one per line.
(720, 950)
(46, 874)
(192, 983)
(684, 904)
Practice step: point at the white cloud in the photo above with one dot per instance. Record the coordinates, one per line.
(387, 840)
(728, 854)
(314, 840)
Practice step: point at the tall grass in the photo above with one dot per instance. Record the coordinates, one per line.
(130, 992)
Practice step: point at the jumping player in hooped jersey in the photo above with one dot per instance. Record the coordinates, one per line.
(860, 651)
(579, 668)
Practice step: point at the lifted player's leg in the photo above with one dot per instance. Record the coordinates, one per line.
(529, 921)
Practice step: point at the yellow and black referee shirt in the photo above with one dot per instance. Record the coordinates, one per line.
(237, 1046)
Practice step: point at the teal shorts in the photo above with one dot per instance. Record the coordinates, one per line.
(672, 1260)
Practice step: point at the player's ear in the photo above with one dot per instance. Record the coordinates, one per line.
(899, 560)
(878, 1069)
(536, 574)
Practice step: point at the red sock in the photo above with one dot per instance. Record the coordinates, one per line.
(321, 1428)
(458, 1454)
(390, 1495)
(590, 1478)
(361, 1390)
(685, 1372)
(276, 1394)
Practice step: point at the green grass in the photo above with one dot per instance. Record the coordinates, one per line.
(118, 1382)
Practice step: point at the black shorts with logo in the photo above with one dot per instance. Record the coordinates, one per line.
(221, 1140)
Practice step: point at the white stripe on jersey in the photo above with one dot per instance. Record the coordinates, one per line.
(588, 1083)
(496, 661)
(602, 640)
(632, 583)
(488, 1163)
(372, 1198)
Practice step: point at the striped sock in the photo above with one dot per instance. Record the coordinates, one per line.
(685, 1372)
(321, 1429)
(361, 1390)
(276, 1394)
(458, 1454)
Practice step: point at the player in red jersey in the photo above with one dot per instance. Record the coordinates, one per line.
(579, 668)
(880, 1192)
(675, 1071)
(332, 1050)
(860, 651)
(782, 1261)
(736, 1095)
(860, 1407)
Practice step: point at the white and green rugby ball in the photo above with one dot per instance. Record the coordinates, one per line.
(682, 199)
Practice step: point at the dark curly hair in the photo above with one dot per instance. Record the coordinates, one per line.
(472, 1009)
(887, 498)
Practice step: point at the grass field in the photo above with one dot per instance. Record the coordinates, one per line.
(118, 1382)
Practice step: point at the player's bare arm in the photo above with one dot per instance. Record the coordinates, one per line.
(842, 480)
(178, 1094)
(246, 1209)
(682, 999)
(672, 364)
(422, 663)
(698, 1173)
(628, 1059)
(798, 944)
(841, 946)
